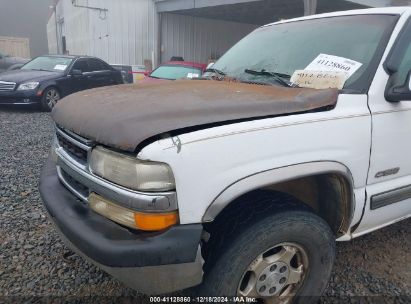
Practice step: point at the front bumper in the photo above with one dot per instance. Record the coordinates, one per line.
(152, 263)
(19, 97)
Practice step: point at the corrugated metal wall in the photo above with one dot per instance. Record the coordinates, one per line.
(126, 34)
(129, 32)
(17, 47)
(199, 39)
(51, 35)
(72, 23)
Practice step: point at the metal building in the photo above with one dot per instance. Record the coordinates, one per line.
(152, 31)
(123, 31)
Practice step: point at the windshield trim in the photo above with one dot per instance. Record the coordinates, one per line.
(316, 17)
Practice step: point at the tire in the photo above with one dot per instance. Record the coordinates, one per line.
(50, 97)
(240, 265)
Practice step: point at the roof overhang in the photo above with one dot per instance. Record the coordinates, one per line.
(177, 5)
(257, 12)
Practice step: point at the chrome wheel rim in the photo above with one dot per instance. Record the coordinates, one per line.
(52, 97)
(276, 275)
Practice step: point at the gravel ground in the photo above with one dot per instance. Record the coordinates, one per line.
(35, 263)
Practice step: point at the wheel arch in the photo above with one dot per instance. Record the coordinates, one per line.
(48, 85)
(333, 182)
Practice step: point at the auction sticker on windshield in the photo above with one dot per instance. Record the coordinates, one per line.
(192, 75)
(325, 62)
(60, 67)
(319, 79)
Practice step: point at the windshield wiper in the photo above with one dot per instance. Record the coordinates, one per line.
(279, 77)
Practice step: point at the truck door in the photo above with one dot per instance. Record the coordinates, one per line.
(389, 179)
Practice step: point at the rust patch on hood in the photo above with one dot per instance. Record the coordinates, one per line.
(124, 116)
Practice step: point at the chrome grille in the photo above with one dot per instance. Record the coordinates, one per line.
(7, 86)
(76, 147)
(74, 150)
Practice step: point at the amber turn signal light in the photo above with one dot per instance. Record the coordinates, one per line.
(137, 220)
(155, 221)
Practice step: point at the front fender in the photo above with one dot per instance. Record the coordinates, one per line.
(273, 176)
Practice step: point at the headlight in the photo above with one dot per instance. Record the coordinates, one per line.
(28, 86)
(130, 172)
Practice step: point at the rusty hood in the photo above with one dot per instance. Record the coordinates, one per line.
(125, 116)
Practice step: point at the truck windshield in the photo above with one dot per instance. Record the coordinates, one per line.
(48, 63)
(284, 48)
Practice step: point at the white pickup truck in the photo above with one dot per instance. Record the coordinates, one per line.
(239, 183)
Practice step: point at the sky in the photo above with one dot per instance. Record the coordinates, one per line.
(28, 19)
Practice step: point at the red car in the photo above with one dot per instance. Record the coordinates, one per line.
(173, 70)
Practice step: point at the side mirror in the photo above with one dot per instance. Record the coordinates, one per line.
(76, 72)
(395, 93)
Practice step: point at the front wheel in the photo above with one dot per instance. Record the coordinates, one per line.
(286, 257)
(50, 98)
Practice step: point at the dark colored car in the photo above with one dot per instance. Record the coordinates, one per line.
(7, 61)
(46, 79)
